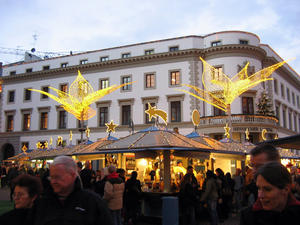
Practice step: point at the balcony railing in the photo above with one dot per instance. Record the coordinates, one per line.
(239, 118)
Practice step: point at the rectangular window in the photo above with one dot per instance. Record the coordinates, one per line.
(173, 48)
(298, 102)
(104, 83)
(29, 70)
(217, 73)
(46, 67)
(126, 114)
(216, 43)
(12, 72)
(218, 112)
(44, 121)
(275, 86)
(288, 94)
(26, 121)
(9, 123)
(293, 98)
(27, 95)
(126, 79)
(277, 113)
(83, 61)
(295, 123)
(282, 90)
(174, 78)
(64, 88)
(176, 111)
(146, 114)
(290, 121)
(45, 89)
(284, 118)
(126, 55)
(11, 96)
(243, 42)
(62, 122)
(63, 65)
(149, 52)
(247, 105)
(150, 80)
(103, 116)
(104, 59)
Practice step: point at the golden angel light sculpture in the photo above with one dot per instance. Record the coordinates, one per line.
(220, 90)
(80, 96)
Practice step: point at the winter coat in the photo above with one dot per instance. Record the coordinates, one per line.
(211, 190)
(113, 191)
(81, 207)
(256, 215)
(16, 217)
(133, 192)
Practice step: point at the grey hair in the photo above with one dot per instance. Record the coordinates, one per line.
(67, 161)
(111, 169)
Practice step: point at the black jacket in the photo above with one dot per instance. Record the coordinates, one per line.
(81, 207)
(257, 216)
(16, 217)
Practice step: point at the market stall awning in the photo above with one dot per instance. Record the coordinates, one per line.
(290, 142)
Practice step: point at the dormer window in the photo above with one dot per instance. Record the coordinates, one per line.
(104, 59)
(243, 42)
(149, 52)
(83, 61)
(216, 43)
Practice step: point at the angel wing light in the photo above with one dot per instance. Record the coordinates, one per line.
(80, 96)
(220, 90)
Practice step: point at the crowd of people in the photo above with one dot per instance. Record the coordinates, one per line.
(70, 193)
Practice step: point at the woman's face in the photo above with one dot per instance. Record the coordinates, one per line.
(270, 196)
(22, 198)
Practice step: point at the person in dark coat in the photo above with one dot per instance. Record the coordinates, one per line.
(275, 204)
(68, 203)
(86, 176)
(27, 189)
(133, 193)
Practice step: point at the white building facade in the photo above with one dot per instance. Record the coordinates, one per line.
(157, 68)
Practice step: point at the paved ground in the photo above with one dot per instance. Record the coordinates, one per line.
(233, 220)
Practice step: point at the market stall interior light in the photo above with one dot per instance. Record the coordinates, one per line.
(143, 162)
(220, 90)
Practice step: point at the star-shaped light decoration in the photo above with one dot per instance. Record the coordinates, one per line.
(111, 126)
(220, 90)
(247, 134)
(46, 145)
(39, 145)
(227, 129)
(24, 149)
(153, 112)
(80, 96)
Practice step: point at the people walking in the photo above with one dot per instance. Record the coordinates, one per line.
(113, 194)
(238, 191)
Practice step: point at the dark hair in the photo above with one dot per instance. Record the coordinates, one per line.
(190, 167)
(33, 184)
(209, 174)
(275, 173)
(220, 172)
(271, 152)
(79, 165)
(134, 174)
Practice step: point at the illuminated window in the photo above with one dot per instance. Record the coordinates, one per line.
(64, 87)
(9, 123)
(103, 116)
(176, 111)
(104, 83)
(175, 78)
(150, 80)
(126, 114)
(43, 120)
(124, 80)
(247, 105)
(62, 119)
(27, 95)
(26, 121)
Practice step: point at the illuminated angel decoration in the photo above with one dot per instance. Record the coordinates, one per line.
(220, 90)
(80, 96)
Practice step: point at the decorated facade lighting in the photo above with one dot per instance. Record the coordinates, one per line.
(153, 112)
(220, 90)
(227, 131)
(247, 134)
(263, 134)
(87, 132)
(79, 98)
(196, 118)
(24, 149)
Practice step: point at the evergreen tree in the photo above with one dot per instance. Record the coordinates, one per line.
(265, 106)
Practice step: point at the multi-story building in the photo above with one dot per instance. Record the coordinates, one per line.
(158, 68)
